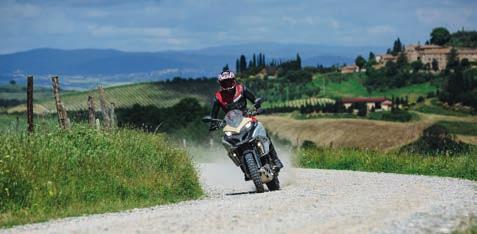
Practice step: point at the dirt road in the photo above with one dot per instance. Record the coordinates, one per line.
(311, 201)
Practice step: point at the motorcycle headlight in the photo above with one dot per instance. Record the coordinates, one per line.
(228, 133)
(248, 125)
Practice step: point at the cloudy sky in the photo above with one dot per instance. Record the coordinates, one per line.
(156, 25)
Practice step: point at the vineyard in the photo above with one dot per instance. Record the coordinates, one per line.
(297, 103)
(159, 94)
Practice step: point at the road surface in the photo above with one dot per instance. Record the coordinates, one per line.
(311, 201)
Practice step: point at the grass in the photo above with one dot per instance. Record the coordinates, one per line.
(434, 108)
(460, 127)
(57, 173)
(463, 166)
(350, 85)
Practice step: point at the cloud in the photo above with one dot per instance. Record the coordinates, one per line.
(113, 31)
(381, 29)
(454, 17)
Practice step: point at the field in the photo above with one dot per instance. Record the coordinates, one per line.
(83, 171)
(361, 133)
(461, 166)
(350, 85)
(160, 94)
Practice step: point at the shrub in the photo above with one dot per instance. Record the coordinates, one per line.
(436, 140)
(308, 144)
(420, 99)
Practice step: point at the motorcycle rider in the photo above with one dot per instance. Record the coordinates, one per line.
(233, 95)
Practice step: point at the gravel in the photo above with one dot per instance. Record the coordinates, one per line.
(310, 201)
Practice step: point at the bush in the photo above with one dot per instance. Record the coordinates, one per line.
(420, 99)
(436, 140)
(83, 171)
(308, 144)
(395, 115)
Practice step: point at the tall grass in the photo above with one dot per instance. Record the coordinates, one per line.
(461, 166)
(83, 171)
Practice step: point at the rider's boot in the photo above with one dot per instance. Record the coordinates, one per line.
(275, 159)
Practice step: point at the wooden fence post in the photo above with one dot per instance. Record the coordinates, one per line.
(91, 112)
(104, 108)
(63, 120)
(112, 115)
(30, 103)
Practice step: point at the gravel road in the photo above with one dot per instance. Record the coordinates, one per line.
(311, 201)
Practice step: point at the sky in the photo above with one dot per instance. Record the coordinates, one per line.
(158, 25)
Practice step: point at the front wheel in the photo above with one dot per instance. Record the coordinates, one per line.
(253, 171)
(274, 184)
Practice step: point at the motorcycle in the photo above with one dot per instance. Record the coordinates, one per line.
(248, 146)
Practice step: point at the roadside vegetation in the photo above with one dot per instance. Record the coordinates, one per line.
(436, 153)
(459, 166)
(57, 173)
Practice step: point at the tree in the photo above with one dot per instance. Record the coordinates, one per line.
(435, 65)
(243, 63)
(401, 61)
(417, 65)
(440, 36)
(298, 61)
(237, 66)
(371, 58)
(254, 61)
(13, 82)
(397, 47)
(225, 68)
(452, 60)
(465, 63)
(360, 62)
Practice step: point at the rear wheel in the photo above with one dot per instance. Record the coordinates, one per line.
(253, 170)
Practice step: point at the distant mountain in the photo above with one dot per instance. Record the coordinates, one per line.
(114, 66)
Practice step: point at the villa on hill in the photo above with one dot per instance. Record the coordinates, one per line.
(428, 53)
(425, 53)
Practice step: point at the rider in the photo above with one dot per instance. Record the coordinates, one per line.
(233, 95)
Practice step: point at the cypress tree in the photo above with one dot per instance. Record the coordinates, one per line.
(298, 62)
(254, 61)
(243, 63)
(237, 66)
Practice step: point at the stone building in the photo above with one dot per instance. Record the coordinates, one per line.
(427, 53)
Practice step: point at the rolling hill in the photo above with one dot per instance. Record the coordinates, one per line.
(84, 68)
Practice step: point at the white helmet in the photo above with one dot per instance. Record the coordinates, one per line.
(226, 80)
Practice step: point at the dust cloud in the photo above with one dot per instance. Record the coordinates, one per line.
(219, 174)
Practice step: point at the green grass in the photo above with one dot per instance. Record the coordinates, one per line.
(460, 127)
(435, 108)
(462, 166)
(57, 174)
(351, 85)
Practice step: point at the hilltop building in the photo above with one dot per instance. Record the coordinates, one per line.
(427, 53)
(349, 69)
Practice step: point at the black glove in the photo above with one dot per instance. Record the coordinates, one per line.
(257, 105)
(213, 127)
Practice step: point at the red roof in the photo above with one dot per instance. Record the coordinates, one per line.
(362, 99)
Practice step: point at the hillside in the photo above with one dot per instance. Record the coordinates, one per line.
(109, 66)
(351, 85)
(159, 94)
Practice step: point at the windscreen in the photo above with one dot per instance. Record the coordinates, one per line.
(233, 118)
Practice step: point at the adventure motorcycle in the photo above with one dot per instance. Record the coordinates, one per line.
(248, 146)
